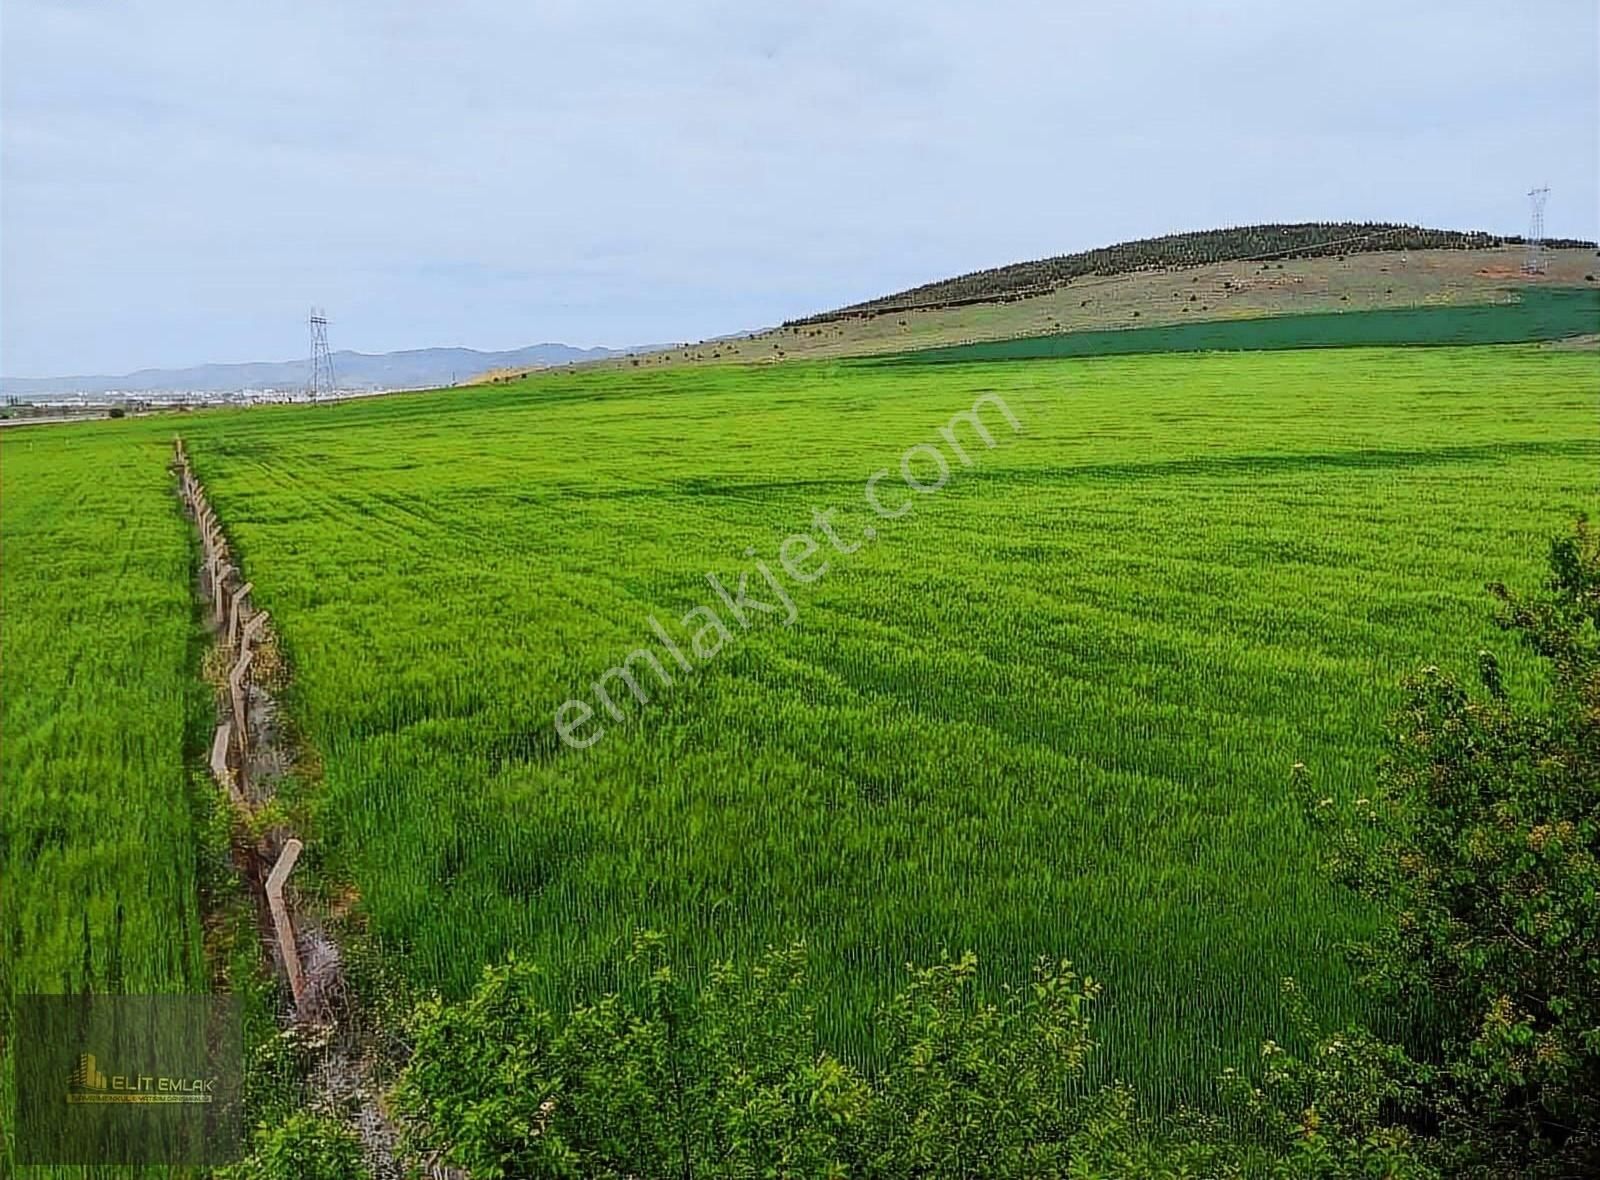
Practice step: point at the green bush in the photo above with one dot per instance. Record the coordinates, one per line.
(1480, 845)
(728, 1081)
(304, 1146)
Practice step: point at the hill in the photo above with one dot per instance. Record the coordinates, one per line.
(1388, 280)
(1205, 247)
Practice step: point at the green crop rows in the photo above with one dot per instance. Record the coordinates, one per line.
(97, 847)
(1538, 314)
(1051, 710)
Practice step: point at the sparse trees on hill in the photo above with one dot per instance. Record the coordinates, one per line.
(1242, 243)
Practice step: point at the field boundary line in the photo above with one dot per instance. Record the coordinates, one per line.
(249, 753)
(239, 631)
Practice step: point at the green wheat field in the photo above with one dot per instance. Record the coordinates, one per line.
(98, 826)
(1050, 710)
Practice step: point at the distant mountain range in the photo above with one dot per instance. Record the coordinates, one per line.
(414, 368)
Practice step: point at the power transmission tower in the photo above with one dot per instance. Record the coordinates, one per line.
(1534, 262)
(323, 383)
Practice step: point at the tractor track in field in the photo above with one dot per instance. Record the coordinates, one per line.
(243, 666)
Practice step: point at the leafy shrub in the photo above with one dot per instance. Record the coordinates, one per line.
(304, 1146)
(1481, 847)
(728, 1081)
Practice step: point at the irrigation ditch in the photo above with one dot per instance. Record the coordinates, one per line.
(252, 752)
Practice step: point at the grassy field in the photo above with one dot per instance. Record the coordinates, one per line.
(1052, 709)
(1539, 314)
(97, 847)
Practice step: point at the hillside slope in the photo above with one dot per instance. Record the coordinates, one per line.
(1380, 281)
(1240, 243)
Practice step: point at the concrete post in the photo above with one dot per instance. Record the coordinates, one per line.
(219, 592)
(239, 694)
(252, 631)
(234, 611)
(280, 919)
(219, 766)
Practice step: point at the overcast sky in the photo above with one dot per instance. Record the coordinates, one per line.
(181, 179)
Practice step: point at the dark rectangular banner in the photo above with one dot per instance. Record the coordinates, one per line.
(128, 1079)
